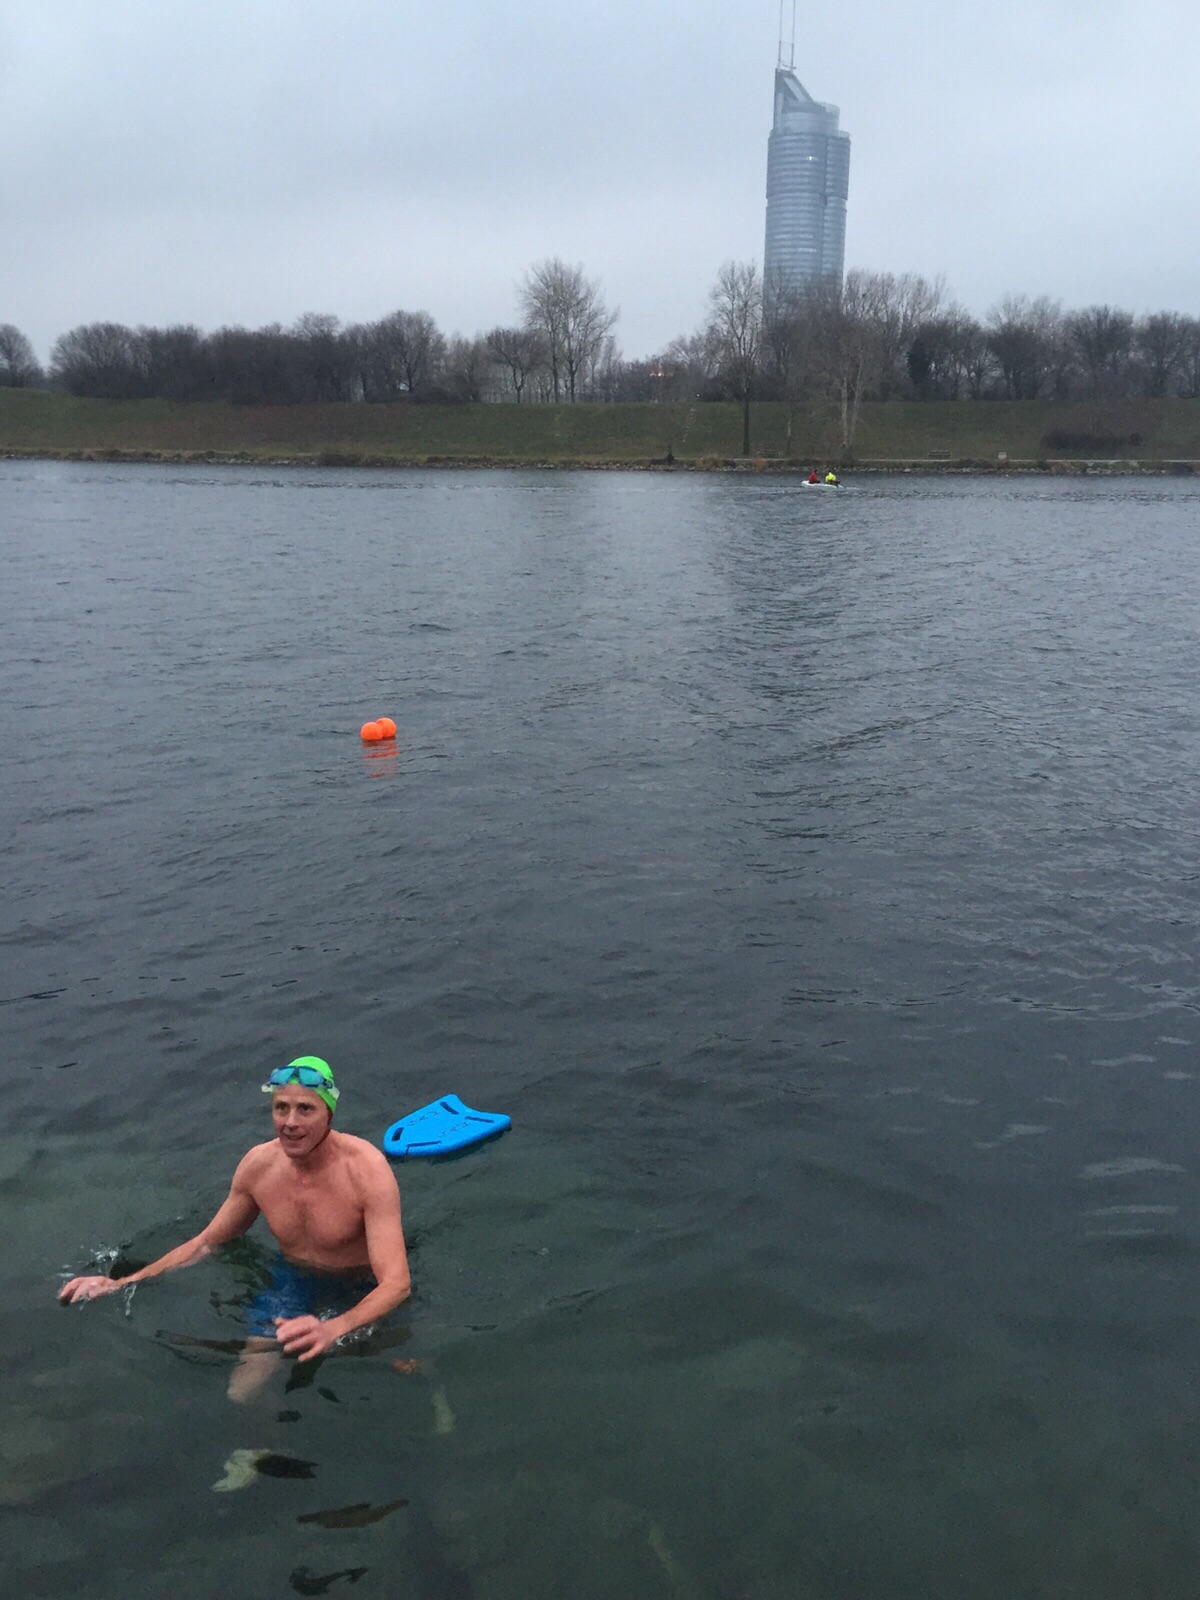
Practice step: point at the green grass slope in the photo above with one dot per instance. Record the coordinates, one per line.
(36, 422)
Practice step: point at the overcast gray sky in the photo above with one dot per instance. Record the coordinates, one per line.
(219, 161)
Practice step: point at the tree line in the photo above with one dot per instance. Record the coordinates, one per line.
(825, 346)
(562, 349)
(822, 345)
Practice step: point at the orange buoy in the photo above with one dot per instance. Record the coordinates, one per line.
(371, 733)
(388, 726)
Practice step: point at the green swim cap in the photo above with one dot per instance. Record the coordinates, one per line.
(310, 1072)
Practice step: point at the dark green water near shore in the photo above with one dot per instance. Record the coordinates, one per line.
(815, 878)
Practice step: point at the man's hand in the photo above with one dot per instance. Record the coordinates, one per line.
(306, 1337)
(232, 1220)
(87, 1289)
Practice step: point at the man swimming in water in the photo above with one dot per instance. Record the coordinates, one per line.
(333, 1204)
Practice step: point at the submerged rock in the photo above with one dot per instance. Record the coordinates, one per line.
(273, 1465)
(244, 1466)
(305, 1581)
(361, 1515)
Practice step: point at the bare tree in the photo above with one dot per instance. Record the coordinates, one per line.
(589, 343)
(175, 363)
(687, 368)
(18, 365)
(98, 359)
(978, 363)
(328, 356)
(939, 358)
(404, 352)
(604, 376)
(925, 355)
(897, 304)
(1101, 337)
(632, 382)
(1189, 361)
(735, 325)
(468, 367)
(1161, 344)
(1026, 340)
(783, 330)
(569, 311)
(542, 302)
(520, 351)
(799, 328)
(856, 349)
(256, 366)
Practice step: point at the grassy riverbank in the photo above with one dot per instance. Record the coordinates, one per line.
(937, 434)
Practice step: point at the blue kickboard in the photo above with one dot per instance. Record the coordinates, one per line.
(441, 1128)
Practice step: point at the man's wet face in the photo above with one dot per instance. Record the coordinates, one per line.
(301, 1118)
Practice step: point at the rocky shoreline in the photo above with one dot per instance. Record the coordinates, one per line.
(756, 464)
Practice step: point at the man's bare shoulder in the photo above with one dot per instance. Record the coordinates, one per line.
(365, 1160)
(363, 1153)
(257, 1162)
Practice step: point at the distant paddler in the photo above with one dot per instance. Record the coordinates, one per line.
(831, 479)
(333, 1204)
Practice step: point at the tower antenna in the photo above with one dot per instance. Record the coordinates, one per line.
(787, 58)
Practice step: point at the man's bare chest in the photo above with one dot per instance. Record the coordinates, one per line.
(312, 1218)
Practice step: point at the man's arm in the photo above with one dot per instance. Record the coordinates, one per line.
(307, 1337)
(231, 1221)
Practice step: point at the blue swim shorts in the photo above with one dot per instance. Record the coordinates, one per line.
(300, 1292)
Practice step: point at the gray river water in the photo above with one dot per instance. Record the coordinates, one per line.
(814, 877)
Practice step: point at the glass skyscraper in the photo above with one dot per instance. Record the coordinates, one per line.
(808, 182)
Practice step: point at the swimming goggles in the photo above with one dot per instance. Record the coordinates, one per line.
(306, 1077)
